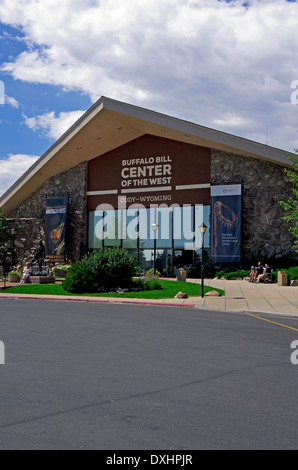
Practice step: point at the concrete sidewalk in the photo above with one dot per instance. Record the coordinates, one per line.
(246, 296)
(241, 296)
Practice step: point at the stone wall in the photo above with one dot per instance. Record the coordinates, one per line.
(264, 184)
(29, 218)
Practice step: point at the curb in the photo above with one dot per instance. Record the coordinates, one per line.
(256, 312)
(95, 300)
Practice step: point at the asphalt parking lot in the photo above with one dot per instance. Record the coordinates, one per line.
(133, 377)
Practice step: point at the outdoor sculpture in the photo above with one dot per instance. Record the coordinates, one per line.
(39, 256)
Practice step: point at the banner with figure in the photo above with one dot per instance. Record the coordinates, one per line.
(226, 223)
(55, 228)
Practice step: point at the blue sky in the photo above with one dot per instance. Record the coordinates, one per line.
(228, 65)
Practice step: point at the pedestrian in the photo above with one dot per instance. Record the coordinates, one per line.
(168, 264)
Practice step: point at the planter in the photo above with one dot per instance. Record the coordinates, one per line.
(13, 278)
(60, 273)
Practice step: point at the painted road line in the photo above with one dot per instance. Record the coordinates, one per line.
(275, 323)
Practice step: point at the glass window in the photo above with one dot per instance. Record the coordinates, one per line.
(202, 214)
(130, 228)
(95, 230)
(184, 227)
(164, 217)
(147, 260)
(112, 228)
(178, 229)
(146, 218)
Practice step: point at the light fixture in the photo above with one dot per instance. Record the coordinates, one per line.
(13, 233)
(154, 228)
(202, 228)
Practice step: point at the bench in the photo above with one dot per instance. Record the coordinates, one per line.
(268, 276)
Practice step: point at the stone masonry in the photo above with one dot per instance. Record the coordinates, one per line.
(264, 185)
(29, 218)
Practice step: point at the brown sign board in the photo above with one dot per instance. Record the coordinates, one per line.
(150, 170)
(55, 259)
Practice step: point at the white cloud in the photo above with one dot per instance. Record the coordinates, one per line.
(11, 101)
(13, 168)
(52, 126)
(219, 64)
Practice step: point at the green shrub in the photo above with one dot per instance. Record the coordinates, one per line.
(150, 281)
(100, 271)
(292, 273)
(240, 273)
(227, 274)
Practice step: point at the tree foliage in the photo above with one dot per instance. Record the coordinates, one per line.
(291, 205)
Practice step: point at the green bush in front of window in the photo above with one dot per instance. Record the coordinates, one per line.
(101, 271)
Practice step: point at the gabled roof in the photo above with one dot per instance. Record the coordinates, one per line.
(109, 124)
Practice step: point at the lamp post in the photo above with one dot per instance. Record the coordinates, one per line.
(154, 228)
(13, 234)
(202, 230)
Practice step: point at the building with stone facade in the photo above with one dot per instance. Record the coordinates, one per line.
(122, 168)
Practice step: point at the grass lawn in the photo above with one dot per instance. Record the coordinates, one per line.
(169, 290)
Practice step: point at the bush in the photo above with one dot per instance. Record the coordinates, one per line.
(100, 271)
(150, 281)
(240, 273)
(292, 273)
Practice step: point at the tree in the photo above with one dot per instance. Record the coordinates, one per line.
(291, 205)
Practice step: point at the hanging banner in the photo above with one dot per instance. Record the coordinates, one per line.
(226, 223)
(55, 228)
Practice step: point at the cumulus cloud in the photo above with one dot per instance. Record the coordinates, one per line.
(11, 101)
(12, 168)
(227, 65)
(53, 126)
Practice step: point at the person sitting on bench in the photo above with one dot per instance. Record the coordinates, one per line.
(252, 276)
(267, 270)
(26, 273)
(259, 270)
